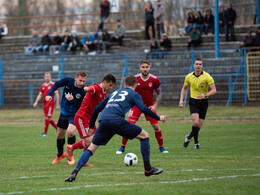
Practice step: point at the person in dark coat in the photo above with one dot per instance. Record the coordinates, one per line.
(208, 21)
(104, 13)
(149, 19)
(229, 20)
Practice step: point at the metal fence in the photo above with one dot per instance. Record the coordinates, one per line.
(21, 77)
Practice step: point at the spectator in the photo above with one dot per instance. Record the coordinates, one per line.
(208, 21)
(105, 41)
(229, 20)
(45, 43)
(199, 21)
(248, 41)
(159, 18)
(34, 42)
(166, 44)
(87, 42)
(104, 13)
(56, 42)
(66, 40)
(75, 42)
(221, 19)
(195, 38)
(96, 41)
(149, 20)
(190, 21)
(3, 30)
(154, 46)
(119, 33)
(257, 38)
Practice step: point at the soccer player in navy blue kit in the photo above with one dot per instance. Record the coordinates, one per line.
(72, 96)
(112, 121)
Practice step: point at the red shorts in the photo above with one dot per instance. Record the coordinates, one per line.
(82, 126)
(135, 113)
(48, 110)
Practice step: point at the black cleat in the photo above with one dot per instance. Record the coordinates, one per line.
(153, 171)
(71, 178)
(187, 141)
(197, 146)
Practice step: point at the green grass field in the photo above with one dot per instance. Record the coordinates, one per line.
(227, 163)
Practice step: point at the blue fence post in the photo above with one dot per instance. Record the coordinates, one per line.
(61, 67)
(31, 94)
(245, 75)
(216, 26)
(126, 65)
(258, 11)
(1, 84)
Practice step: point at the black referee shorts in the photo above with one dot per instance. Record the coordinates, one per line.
(199, 106)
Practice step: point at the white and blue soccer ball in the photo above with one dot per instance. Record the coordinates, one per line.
(130, 159)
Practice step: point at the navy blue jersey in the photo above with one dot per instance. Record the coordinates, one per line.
(69, 107)
(117, 104)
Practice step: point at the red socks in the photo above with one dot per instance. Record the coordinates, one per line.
(53, 124)
(79, 145)
(159, 137)
(124, 141)
(46, 125)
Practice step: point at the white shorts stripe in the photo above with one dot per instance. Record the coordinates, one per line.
(49, 111)
(82, 129)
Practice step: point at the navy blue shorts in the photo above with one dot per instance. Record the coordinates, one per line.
(108, 128)
(64, 121)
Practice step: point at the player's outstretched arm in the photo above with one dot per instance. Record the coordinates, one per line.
(163, 118)
(37, 100)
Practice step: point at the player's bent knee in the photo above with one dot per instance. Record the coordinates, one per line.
(142, 135)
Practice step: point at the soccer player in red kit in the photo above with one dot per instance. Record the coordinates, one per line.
(147, 83)
(47, 106)
(96, 93)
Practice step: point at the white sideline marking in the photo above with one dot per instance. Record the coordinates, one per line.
(127, 184)
(124, 173)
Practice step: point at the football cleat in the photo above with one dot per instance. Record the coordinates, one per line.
(43, 135)
(121, 150)
(72, 161)
(153, 171)
(197, 146)
(187, 141)
(57, 159)
(162, 150)
(71, 178)
(69, 153)
(88, 165)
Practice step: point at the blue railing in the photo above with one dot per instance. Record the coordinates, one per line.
(25, 73)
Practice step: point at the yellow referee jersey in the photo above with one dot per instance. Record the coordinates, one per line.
(198, 84)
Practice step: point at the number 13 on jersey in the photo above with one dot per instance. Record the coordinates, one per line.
(121, 97)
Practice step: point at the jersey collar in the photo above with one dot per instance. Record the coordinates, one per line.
(100, 85)
(199, 75)
(146, 78)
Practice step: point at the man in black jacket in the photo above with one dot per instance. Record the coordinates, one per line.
(45, 43)
(208, 21)
(104, 13)
(166, 44)
(229, 20)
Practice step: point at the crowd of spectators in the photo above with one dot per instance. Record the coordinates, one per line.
(90, 43)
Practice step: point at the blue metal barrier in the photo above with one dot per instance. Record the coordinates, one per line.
(228, 71)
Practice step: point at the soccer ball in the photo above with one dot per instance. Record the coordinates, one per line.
(130, 159)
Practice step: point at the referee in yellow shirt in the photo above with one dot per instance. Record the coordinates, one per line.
(199, 81)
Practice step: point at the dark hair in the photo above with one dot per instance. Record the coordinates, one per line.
(130, 81)
(144, 62)
(81, 73)
(109, 78)
(198, 59)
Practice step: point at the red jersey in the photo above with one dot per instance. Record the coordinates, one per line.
(94, 96)
(45, 88)
(146, 87)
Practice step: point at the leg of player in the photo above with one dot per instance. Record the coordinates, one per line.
(195, 128)
(71, 140)
(52, 122)
(46, 126)
(60, 143)
(159, 137)
(145, 150)
(82, 161)
(83, 144)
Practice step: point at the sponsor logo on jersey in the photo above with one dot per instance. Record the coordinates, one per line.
(150, 84)
(78, 96)
(138, 83)
(202, 85)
